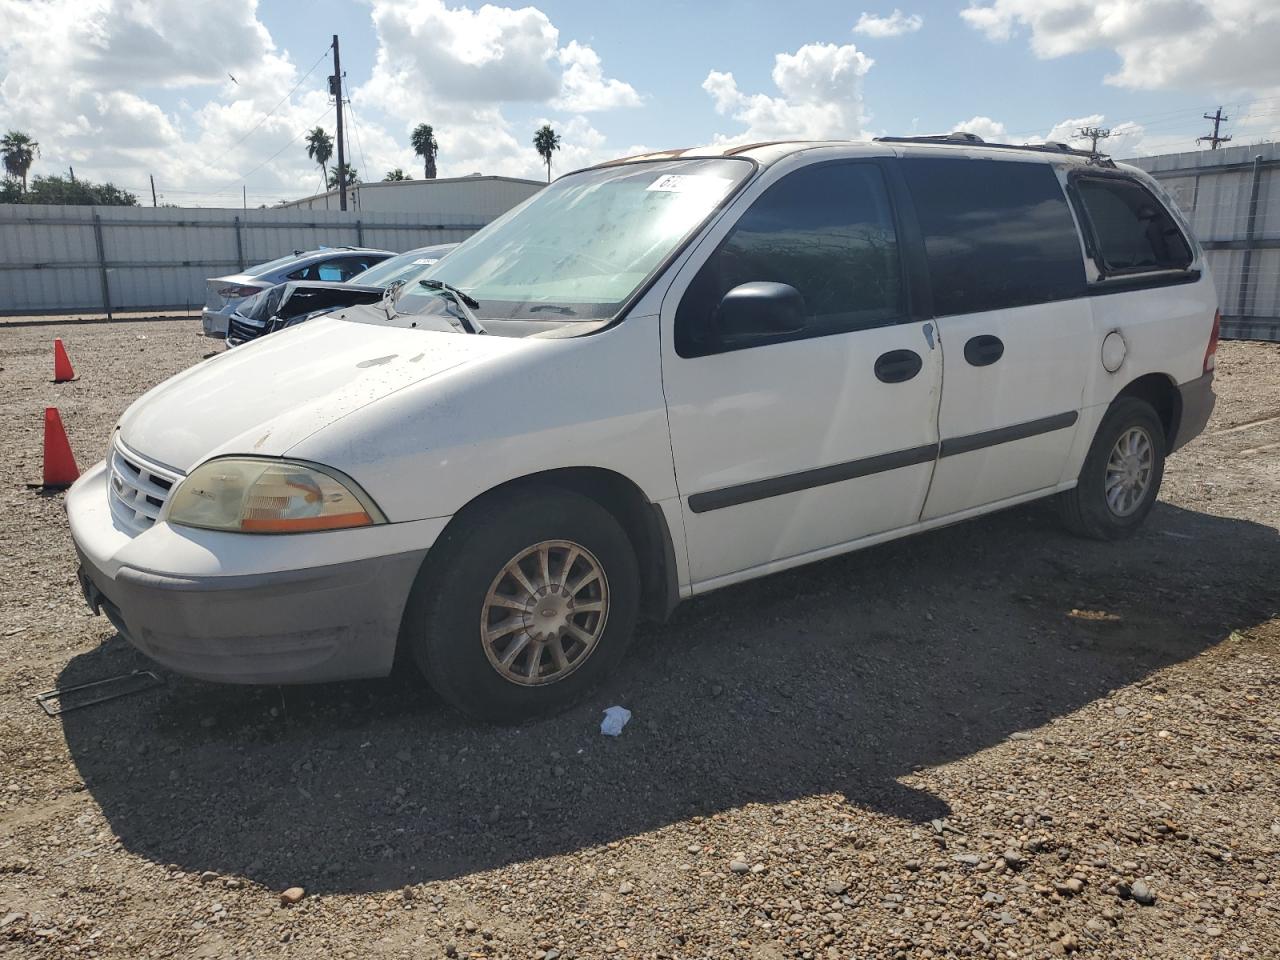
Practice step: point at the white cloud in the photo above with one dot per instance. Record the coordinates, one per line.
(1228, 45)
(894, 25)
(457, 68)
(583, 86)
(820, 87)
(88, 78)
(990, 130)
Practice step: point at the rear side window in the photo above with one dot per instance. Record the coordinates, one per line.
(826, 230)
(998, 233)
(1132, 230)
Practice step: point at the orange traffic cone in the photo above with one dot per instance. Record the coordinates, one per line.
(60, 470)
(62, 371)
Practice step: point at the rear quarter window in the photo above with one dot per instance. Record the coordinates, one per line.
(1132, 230)
(997, 233)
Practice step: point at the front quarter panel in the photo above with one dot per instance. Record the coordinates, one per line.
(589, 401)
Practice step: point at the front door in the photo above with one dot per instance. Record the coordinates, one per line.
(792, 443)
(1007, 278)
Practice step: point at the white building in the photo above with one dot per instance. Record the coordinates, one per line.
(453, 199)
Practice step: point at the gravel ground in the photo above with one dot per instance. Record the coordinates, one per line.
(989, 741)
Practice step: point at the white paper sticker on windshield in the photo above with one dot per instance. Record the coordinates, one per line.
(426, 261)
(686, 183)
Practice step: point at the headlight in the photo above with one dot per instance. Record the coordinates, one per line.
(251, 495)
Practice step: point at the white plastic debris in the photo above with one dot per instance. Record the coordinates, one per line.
(615, 718)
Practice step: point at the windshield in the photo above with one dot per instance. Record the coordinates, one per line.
(580, 248)
(401, 267)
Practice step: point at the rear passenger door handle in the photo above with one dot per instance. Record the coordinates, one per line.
(897, 366)
(983, 350)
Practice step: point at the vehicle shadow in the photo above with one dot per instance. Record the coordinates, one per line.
(841, 677)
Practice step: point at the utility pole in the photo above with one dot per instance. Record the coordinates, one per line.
(244, 196)
(335, 88)
(153, 190)
(1093, 134)
(72, 171)
(1218, 120)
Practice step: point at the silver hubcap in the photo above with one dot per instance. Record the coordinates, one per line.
(544, 612)
(1129, 471)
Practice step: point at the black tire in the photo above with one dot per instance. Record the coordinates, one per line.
(443, 619)
(1084, 509)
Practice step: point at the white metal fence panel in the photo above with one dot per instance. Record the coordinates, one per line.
(56, 259)
(1232, 198)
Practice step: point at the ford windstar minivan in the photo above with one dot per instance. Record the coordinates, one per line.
(657, 377)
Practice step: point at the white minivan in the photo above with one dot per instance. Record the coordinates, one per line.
(656, 377)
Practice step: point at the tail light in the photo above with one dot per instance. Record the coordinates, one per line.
(1211, 350)
(235, 290)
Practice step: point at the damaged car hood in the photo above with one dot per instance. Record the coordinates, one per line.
(269, 395)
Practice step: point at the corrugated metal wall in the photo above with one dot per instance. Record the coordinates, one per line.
(1232, 198)
(56, 259)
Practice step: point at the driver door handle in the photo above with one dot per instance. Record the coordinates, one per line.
(897, 366)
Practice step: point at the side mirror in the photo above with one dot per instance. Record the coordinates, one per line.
(759, 311)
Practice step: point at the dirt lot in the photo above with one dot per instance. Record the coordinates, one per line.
(994, 740)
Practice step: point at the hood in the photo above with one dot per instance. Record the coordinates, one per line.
(265, 397)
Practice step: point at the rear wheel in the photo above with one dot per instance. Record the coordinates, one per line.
(525, 605)
(1121, 476)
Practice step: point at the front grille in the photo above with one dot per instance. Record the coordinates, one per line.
(136, 490)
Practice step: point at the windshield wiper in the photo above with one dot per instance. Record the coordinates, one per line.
(463, 301)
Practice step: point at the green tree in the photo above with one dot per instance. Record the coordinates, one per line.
(546, 141)
(320, 148)
(63, 190)
(352, 176)
(396, 174)
(19, 151)
(424, 144)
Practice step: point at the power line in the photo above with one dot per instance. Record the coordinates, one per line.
(282, 100)
(295, 139)
(359, 146)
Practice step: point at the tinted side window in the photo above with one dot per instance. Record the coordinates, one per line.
(825, 230)
(1132, 229)
(997, 233)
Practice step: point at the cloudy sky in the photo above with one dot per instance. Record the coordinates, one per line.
(210, 95)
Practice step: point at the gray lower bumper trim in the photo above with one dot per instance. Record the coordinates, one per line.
(1198, 399)
(335, 622)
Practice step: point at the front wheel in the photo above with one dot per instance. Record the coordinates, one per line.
(525, 605)
(1121, 476)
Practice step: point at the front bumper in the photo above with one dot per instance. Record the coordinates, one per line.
(336, 620)
(1198, 399)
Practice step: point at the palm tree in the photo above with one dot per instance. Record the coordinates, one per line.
(320, 149)
(352, 177)
(546, 141)
(424, 143)
(18, 151)
(396, 174)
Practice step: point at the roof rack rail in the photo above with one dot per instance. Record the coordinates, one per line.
(961, 137)
(956, 136)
